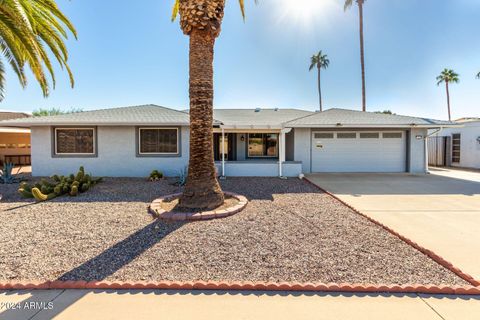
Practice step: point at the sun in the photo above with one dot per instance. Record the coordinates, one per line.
(303, 8)
(304, 12)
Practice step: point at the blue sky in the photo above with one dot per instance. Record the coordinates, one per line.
(129, 53)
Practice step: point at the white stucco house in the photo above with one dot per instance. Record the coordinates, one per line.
(463, 143)
(132, 141)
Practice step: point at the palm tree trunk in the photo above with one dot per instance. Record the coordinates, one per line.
(320, 90)
(448, 101)
(362, 56)
(202, 190)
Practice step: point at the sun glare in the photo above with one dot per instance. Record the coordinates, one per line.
(304, 12)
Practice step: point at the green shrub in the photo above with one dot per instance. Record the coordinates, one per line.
(155, 175)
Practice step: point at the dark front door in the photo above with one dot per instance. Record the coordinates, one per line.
(230, 146)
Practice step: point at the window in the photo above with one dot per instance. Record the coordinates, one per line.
(323, 135)
(392, 135)
(456, 147)
(158, 141)
(74, 141)
(369, 135)
(346, 135)
(262, 145)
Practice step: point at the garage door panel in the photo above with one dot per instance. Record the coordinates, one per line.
(359, 154)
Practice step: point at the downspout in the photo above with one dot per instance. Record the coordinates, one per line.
(223, 153)
(426, 147)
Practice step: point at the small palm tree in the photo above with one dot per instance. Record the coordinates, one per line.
(27, 29)
(448, 76)
(320, 61)
(201, 20)
(348, 4)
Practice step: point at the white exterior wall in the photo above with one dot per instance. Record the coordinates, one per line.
(416, 155)
(116, 155)
(469, 146)
(302, 147)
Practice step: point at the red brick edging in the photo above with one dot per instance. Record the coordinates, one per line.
(237, 286)
(157, 211)
(432, 255)
(270, 286)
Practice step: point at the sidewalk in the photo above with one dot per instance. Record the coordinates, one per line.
(150, 304)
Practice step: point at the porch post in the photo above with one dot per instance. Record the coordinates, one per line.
(281, 157)
(223, 152)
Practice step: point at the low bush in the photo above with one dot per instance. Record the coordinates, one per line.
(155, 175)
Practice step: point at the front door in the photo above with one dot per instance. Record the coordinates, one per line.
(229, 145)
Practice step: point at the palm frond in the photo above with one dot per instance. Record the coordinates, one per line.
(175, 9)
(347, 5)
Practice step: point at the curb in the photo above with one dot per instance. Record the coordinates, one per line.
(432, 255)
(242, 286)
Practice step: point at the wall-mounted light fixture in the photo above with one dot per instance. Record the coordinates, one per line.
(242, 138)
(419, 137)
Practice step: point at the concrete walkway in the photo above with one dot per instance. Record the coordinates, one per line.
(440, 211)
(118, 305)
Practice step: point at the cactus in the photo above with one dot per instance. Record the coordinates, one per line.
(25, 193)
(74, 191)
(59, 185)
(39, 196)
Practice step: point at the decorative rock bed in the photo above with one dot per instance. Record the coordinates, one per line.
(157, 209)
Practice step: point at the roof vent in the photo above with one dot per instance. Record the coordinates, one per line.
(257, 109)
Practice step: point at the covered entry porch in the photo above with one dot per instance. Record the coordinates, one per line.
(250, 152)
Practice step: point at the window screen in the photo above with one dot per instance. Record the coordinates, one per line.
(74, 141)
(456, 147)
(158, 140)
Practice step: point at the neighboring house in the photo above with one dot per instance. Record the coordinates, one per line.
(14, 142)
(461, 145)
(132, 141)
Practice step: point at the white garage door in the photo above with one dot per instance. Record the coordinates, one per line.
(373, 151)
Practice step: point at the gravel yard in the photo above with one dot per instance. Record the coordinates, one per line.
(289, 232)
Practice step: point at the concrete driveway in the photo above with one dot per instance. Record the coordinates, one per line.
(440, 211)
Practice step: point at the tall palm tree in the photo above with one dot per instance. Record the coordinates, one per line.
(201, 20)
(348, 4)
(320, 61)
(27, 29)
(448, 76)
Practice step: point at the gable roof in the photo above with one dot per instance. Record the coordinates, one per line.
(135, 115)
(350, 118)
(248, 118)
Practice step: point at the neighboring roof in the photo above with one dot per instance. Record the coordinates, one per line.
(258, 118)
(464, 120)
(136, 115)
(350, 118)
(7, 115)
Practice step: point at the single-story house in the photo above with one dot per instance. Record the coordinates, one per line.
(14, 142)
(132, 141)
(457, 147)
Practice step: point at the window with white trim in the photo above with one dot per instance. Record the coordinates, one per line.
(323, 135)
(74, 141)
(456, 139)
(158, 141)
(346, 135)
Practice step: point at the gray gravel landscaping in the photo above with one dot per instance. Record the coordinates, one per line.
(289, 231)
